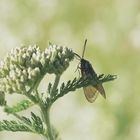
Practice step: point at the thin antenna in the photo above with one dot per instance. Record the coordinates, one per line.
(84, 48)
(78, 56)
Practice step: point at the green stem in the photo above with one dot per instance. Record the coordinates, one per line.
(34, 87)
(46, 110)
(46, 114)
(56, 82)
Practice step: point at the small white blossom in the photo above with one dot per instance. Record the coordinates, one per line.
(22, 67)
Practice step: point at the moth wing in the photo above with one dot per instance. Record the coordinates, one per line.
(100, 88)
(91, 93)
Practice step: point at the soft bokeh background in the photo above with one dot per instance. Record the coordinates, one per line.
(113, 31)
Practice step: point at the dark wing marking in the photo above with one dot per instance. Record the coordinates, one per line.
(91, 93)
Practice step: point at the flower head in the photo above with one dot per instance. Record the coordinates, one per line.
(59, 58)
(23, 67)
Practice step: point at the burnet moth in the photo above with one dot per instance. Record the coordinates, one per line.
(91, 92)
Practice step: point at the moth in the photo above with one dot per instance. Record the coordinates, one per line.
(91, 92)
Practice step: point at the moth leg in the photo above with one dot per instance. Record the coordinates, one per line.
(78, 69)
(79, 73)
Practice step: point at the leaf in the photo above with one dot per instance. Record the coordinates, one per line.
(82, 82)
(23, 105)
(27, 120)
(34, 123)
(37, 123)
(106, 78)
(62, 86)
(13, 126)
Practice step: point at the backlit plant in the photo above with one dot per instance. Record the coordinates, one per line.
(21, 73)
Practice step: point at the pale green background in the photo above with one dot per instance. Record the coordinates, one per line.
(112, 28)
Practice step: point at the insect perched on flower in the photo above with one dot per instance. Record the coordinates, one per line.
(91, 92)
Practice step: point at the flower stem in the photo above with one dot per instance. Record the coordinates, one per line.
(46, 110)
(56, 82)
(46, 116)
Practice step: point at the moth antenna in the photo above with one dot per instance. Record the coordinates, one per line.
(84, 48)
(78, 56)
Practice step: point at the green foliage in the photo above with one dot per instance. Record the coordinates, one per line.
(13, 126)
(22, 105)
(106, 78)
(81, 82)
(22, 72)
(35, 123)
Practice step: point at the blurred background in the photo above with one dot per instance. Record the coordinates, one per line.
(112, 28)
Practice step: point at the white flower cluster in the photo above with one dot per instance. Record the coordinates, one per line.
(23, 67)
(59, 58)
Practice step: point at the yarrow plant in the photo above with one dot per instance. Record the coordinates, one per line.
(21, 73)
